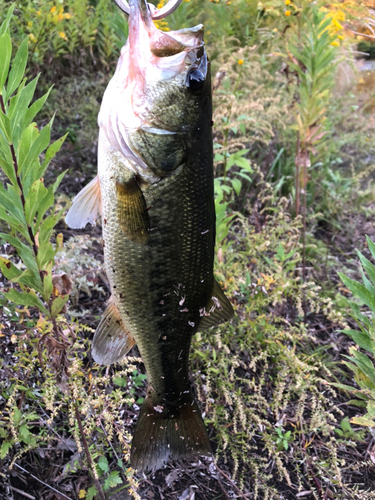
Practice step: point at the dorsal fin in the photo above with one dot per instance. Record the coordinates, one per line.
(111, 340)
(87, 205)
(218, 309)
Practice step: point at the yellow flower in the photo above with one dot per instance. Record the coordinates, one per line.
(53, 9)
(287, 13)
(340, 15)
(288, 2)
(32, 37)
(240, 62)
(275, 30)
(30, 23)
(68, 16)
(337, 24)
(82, 493)
(62, 34)
(335, 43)
(38, 12)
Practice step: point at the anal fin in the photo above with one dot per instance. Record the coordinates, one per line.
(111, 340)
(218, 309)
(86, 206)
(133, 217)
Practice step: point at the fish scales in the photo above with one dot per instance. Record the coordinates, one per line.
(175, 263)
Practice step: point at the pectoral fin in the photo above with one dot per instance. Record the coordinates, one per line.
(217, 310)
(111, 340)
(86, 206)
(132, 212)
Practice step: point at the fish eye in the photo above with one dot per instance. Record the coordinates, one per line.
(195, 80)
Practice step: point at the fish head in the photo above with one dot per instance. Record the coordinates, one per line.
(159, 95)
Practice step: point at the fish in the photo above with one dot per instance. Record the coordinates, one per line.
(154, 191)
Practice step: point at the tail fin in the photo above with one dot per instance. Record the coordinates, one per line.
(168, 431)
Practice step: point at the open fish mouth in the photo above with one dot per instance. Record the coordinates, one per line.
(147, 43)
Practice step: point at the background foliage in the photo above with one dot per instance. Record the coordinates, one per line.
(294, 163)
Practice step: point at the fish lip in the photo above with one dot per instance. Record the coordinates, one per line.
(140, 7)
(143, 33)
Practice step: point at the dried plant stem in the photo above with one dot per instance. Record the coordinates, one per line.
(90, 462)
(239, 492)
(42, 482)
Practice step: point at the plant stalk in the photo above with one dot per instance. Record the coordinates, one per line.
(90, 462)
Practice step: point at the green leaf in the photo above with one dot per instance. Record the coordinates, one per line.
(91, 493)
(345, 425)
(34, 109)
(4, 449)
(362, 421)
(56, 184)
(18, 68)
(23, 251)
(6, 159)
(5, 55)
(103, 464)
(27, 278)
(368, 267)
(371, 246)
(10, 199)
(57, 304)
(47, 282)
(43, 206)
(362, 339)
(359, 291)
(5, 24)
(28, 136)
(121, 382)
(9, 270)
(35, 196)
(17, 415)
(113, 480)
(24, 433)
(237, 185)
(14, 223)
(47, 226)
(51, 152)
(46, 254)
(5, 126)
(356, 402)
(37, 146)
(26, 299)
(18, 112)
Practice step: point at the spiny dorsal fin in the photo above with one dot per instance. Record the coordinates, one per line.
(133, 217)
(87, 205)
(111, 340)
(217, 310)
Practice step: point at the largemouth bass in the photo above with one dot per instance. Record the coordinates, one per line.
(154, 190)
